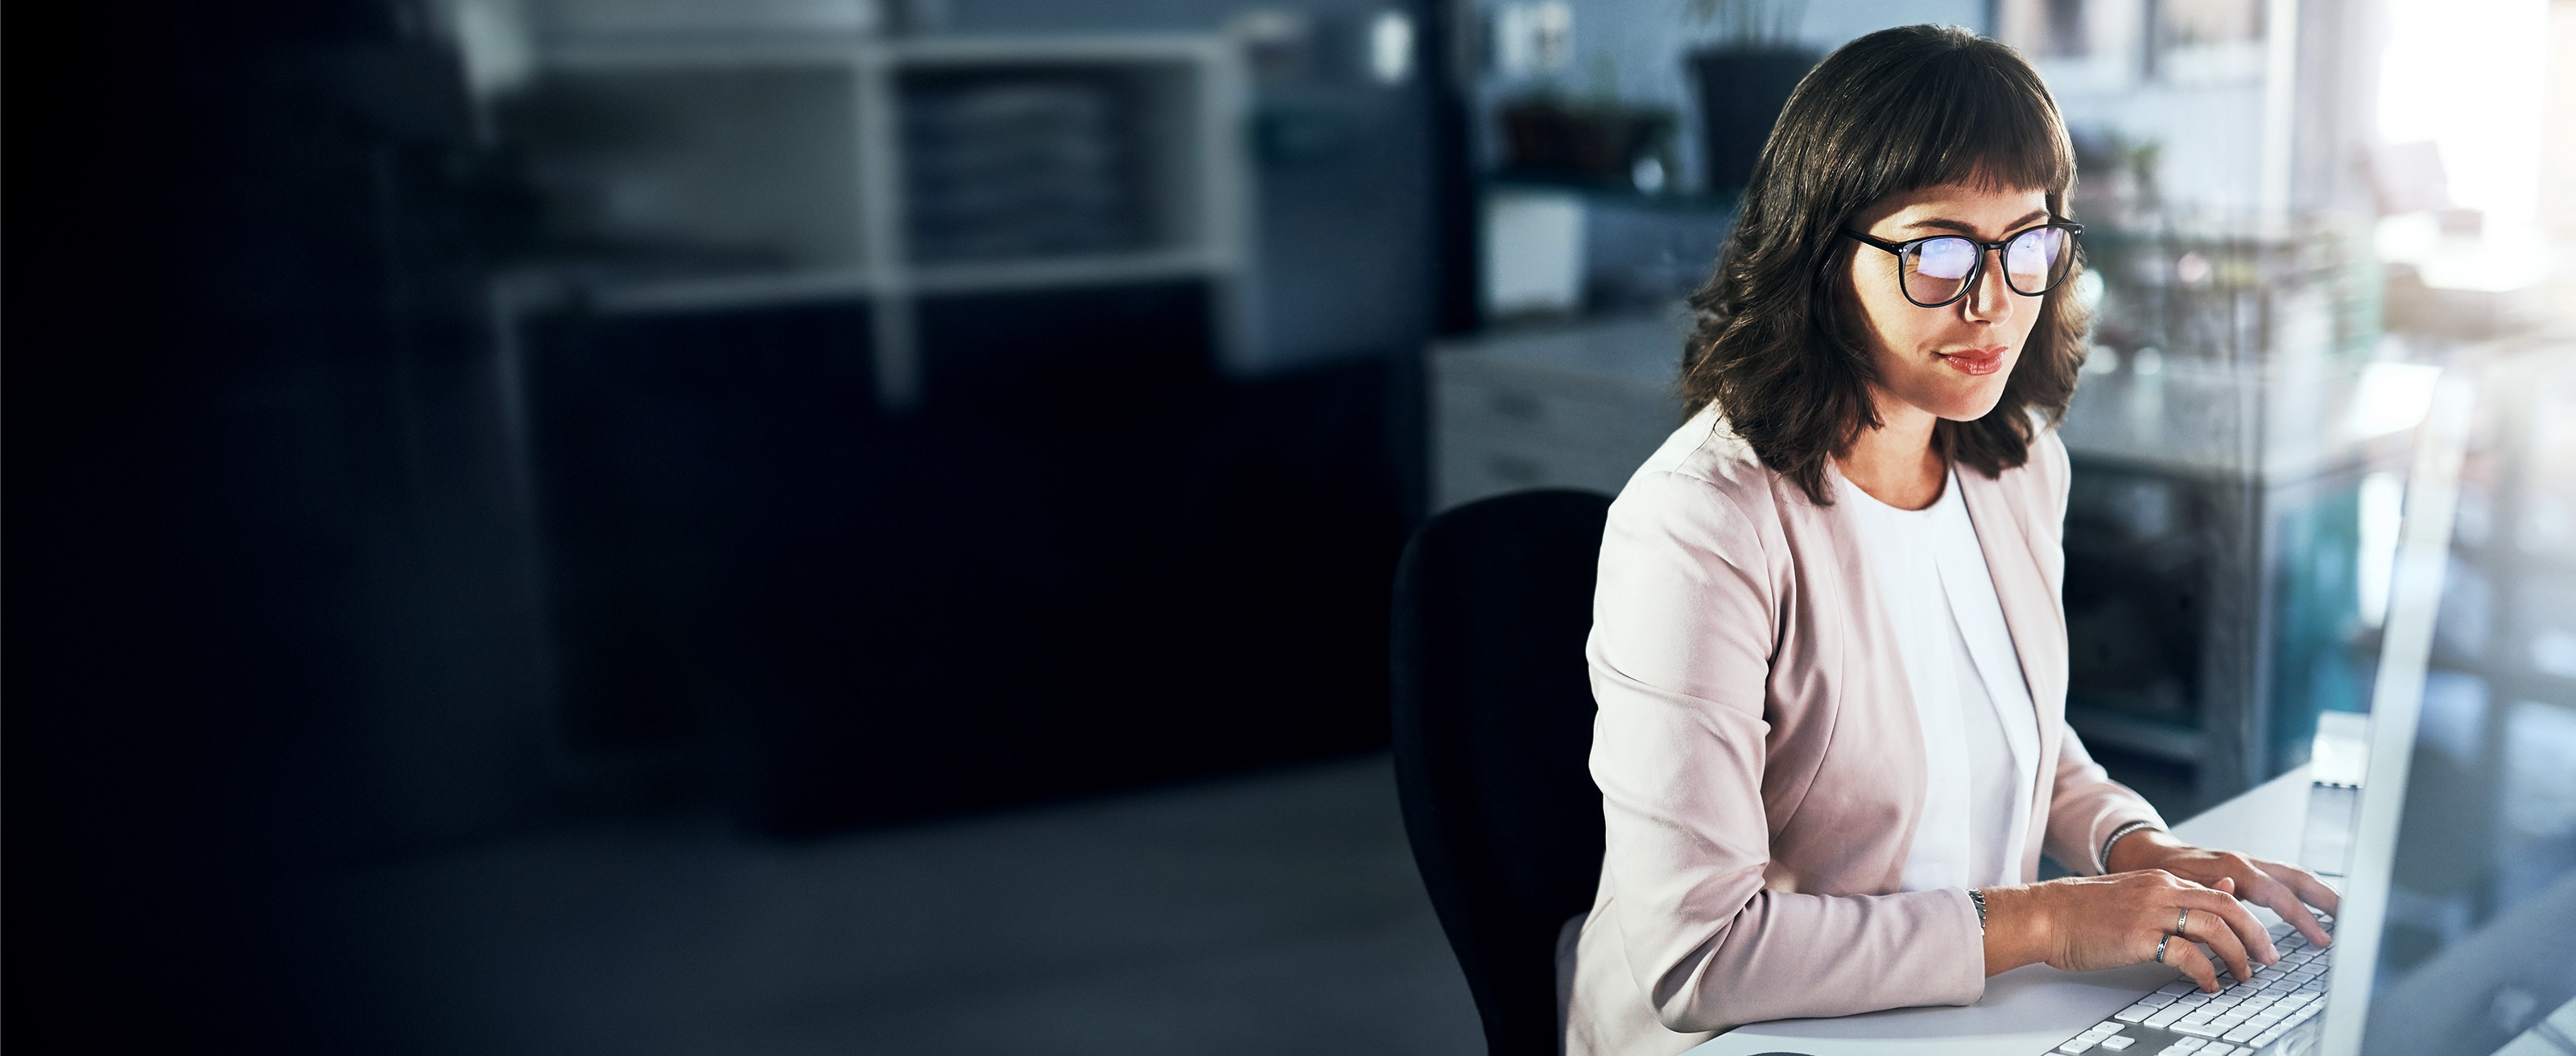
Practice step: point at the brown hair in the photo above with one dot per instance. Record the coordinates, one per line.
(1894, 111)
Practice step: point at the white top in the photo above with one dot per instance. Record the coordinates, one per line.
(1980, 730)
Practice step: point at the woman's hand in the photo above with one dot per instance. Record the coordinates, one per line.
(2285, 889)
(2089, 923)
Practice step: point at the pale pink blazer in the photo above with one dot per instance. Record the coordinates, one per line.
(1760, 762)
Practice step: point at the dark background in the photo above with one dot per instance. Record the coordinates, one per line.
(286, 593)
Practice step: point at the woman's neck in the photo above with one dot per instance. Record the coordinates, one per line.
(1895, 463)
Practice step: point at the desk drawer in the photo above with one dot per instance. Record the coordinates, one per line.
(1468, 465)
(1556, 418)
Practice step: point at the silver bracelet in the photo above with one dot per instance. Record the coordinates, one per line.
(1979, 897)
(2117, 833)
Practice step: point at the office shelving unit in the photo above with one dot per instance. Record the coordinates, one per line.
(735, 275)
(708, 173)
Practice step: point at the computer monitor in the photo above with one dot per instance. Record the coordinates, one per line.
(2458, 931)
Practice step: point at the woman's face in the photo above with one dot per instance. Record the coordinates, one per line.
(1950, 361)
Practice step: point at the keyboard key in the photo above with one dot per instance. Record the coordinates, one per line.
(2273, 1033)
(2136, 1013)
(2198, 1030)
(2076, 1046)
(2185, 1046)
(2165, 1019)
(2118, 1043)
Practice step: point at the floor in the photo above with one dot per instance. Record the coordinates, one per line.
(1271, 913)
(1275, 913)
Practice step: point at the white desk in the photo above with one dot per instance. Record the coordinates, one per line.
(2029, 1010)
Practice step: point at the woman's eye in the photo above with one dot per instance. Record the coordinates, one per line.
(2033, 253)
(1945, 258)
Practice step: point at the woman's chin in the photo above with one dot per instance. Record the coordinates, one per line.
(1979, 408)
(1970, 404)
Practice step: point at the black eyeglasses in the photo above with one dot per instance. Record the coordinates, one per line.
(1941, 269)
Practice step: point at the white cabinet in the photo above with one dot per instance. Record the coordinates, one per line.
(714, 172)
(1574, 406)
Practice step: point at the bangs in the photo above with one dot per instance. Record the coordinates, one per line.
(1973, 114)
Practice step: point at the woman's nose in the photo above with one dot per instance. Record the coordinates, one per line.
(1990, 300)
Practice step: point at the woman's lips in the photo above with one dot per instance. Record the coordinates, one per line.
(1975, 361)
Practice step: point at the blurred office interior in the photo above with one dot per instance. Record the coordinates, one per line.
(866, 525)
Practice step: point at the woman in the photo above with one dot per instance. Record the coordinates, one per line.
(1827, 644)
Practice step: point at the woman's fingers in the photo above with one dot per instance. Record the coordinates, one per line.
(2182, 954)
(2305, 886)
(2222, 902)
(2222, 940)
(2289, 901)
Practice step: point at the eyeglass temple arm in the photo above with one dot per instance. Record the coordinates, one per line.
(1892, 247)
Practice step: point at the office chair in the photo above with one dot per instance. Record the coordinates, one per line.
(1493, 724)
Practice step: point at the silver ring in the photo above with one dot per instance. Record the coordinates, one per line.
(2182, 922)
(2160, 948)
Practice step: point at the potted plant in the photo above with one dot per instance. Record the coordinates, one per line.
(1590, 142)
(1744, 76)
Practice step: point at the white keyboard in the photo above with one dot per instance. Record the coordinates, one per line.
(2248, 1017)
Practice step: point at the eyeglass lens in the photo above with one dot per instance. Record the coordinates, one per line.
(1938, 270)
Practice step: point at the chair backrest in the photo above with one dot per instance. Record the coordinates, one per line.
(1493, 724)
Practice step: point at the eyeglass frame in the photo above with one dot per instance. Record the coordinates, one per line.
(2074, 237)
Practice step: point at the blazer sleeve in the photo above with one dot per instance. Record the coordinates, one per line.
(2085, 806)
(1684, 634)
